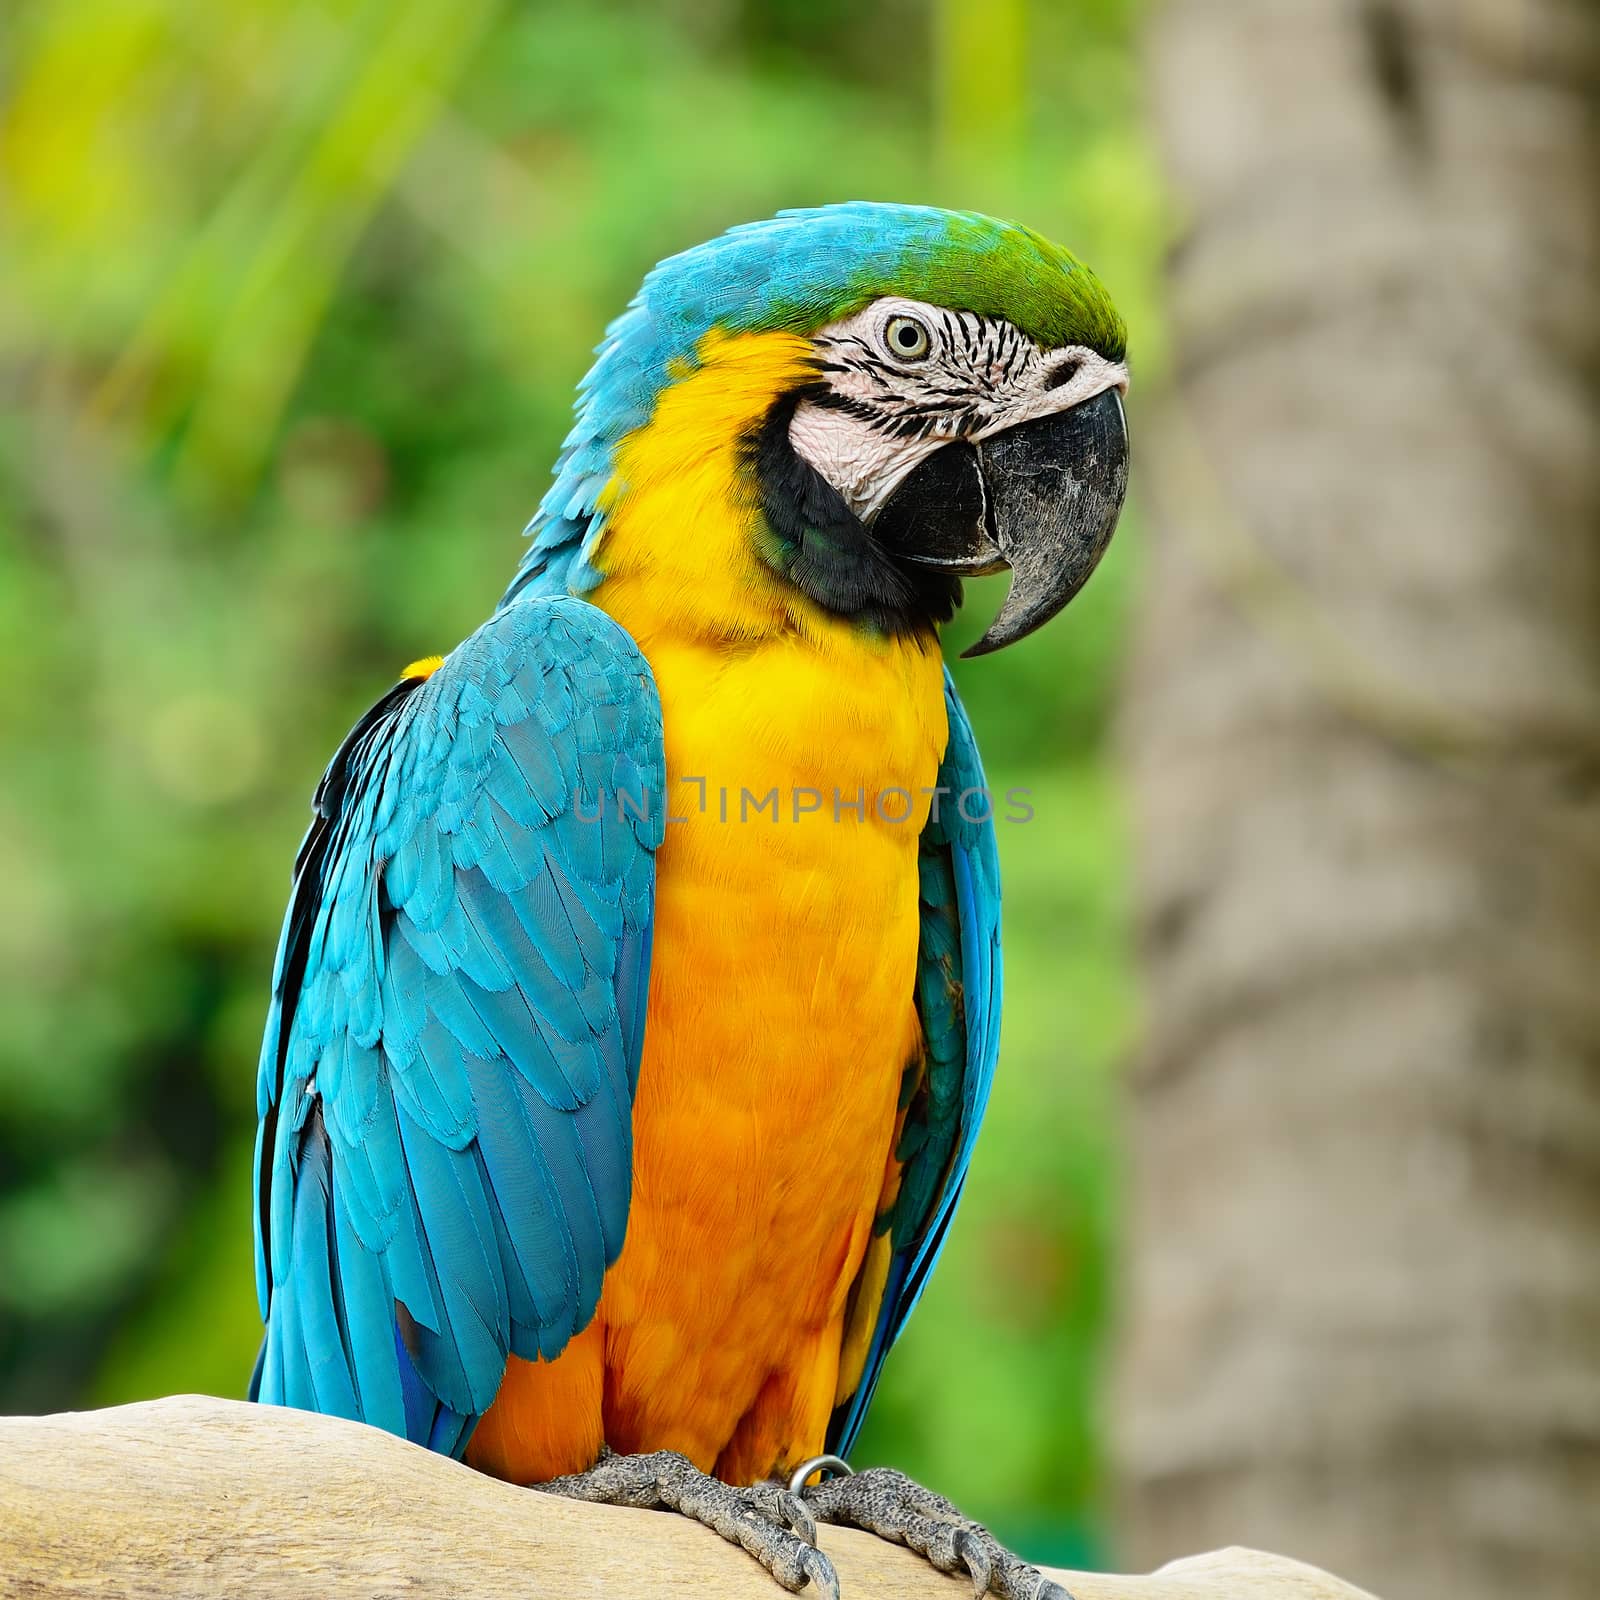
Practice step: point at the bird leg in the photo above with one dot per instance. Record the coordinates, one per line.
(768, 1521)
(895, 1507)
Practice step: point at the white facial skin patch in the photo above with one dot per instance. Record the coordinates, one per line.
(905, 378)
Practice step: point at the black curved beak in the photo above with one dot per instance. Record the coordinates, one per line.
(1042, 498)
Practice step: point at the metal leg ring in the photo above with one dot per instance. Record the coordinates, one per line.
(834, 1466)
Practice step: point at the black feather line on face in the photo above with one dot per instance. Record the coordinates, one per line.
(817, 543)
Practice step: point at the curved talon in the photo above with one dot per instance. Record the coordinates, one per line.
(785, 1506)
(976, 1560)
(837, 1465)
(819, 1570)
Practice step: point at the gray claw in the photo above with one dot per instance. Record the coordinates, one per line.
(797, 1518)
(819, 1570)
(789, 1509)
(976, 1560)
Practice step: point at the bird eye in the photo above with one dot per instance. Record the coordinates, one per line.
(906, 338)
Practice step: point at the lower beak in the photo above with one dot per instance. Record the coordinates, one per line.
(1041, 498)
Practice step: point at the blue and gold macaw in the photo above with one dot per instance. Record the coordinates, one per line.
(639, 995)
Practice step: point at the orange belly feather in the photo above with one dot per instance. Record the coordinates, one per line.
(781, 1017)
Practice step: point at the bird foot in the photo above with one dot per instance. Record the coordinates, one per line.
(766, 1520)
(895, 1507)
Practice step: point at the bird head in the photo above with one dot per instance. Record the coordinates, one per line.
(911, 396)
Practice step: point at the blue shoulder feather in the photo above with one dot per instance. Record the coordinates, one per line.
(446, 1084)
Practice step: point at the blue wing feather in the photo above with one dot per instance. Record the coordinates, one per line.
(958, 1000)
(444, 1158)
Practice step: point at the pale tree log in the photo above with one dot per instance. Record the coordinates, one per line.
(1361, 729)
(199, 1497)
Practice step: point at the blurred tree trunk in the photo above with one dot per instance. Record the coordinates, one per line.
(1363, 1315)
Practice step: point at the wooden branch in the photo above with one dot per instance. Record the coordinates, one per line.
(195, 1496)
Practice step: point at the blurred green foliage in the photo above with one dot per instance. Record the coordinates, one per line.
(295, 298)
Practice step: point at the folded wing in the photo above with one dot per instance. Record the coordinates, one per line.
(446, 1082)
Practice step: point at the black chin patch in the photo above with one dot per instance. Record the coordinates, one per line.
(823, 548)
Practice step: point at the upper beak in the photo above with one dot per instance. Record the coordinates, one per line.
(1041, 498)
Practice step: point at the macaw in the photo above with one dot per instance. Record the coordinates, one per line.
(639, 993)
